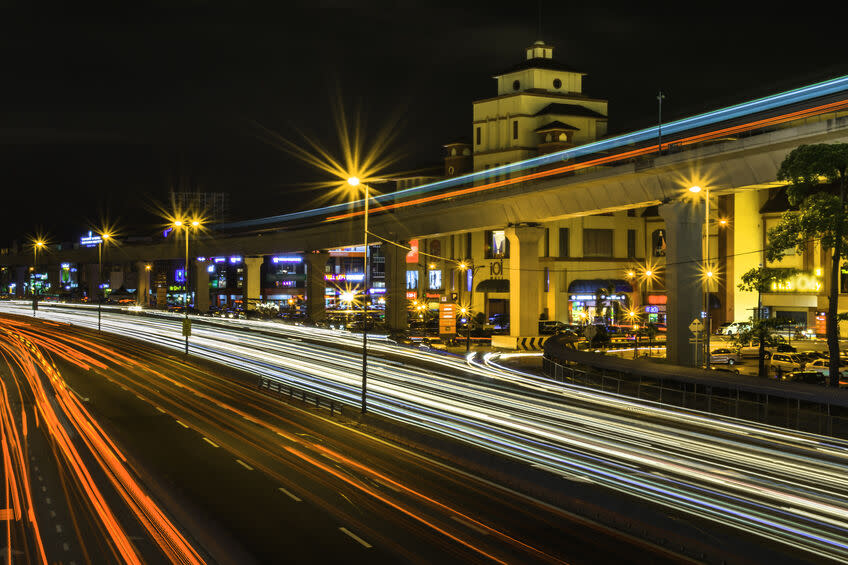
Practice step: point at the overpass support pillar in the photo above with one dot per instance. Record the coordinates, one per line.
(684, 223)
(396, 303)
(20, 281)
(252, 289)
(315, 263)
(142, 295)
(201, 292)
(525, 280)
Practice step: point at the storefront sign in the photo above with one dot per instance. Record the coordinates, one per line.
(412, 256)
(496, 269)
(352, 277)
(447, 318)
(802, 282)
(411, 295)
(657, 299)
(821, 323)
(90, 240)
(286, 259)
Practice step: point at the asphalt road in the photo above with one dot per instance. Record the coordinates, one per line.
(250, 478)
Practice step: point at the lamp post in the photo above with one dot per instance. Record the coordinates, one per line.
(466, 312)
(708, 273)
(186, 225)
(36, 245)
(103, 237)
(354, 182)
(466, 267)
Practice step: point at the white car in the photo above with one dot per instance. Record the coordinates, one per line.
(734, 328)
(823, 367)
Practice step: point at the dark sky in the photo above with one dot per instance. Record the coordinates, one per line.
(104, 108)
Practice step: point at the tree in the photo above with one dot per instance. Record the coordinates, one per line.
(759, 331)
(819, 188)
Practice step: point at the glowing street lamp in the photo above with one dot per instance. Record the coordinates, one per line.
(354, 182)
(104, 237)
(186, 226)
(37, 244)
(466, 313)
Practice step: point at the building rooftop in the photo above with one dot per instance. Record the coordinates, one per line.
(569, 110)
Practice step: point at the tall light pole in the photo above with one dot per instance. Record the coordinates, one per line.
(354, 182)
(707, 271)
(103, 237)
(36, 245)
(186, 226)
(466, 312)
(466, 268)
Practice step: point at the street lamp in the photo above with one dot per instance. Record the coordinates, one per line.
(36, 245)
(186, 226)
(104, 236)
(354, 182)
(466, 312)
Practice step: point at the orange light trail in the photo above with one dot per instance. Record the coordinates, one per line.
(833, 106)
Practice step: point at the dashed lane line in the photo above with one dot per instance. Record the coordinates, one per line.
(182, 424)
(468, 524)
(290, 494)
(161, 410)
(355, 537)
(243, 464)
(210, 442)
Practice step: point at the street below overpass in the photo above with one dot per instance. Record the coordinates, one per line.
(233, 457)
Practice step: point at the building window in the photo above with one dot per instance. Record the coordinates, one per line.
(631, 244)
(597, 243)
(468, 246)
(514, 129)
(497, 245)
(479, 136)
(631, 213)
(546, 250)
(412, 280)
(435, 279)
(658, 243)
(557, 83)
(516, 85)
(564, 242)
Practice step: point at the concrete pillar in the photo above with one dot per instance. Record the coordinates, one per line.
(315, 263)
(684, 223)
(396, 302)
(92, 275)
(20, 281)
(142, 296)
(525, 280)
(252, 290)
(201, 288)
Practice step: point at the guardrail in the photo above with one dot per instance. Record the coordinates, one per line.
(802, 407)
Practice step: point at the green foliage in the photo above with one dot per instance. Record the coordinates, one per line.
(759, 279)
(806, 165)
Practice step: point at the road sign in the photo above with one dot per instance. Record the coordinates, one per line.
(186, 327)
(696, 326)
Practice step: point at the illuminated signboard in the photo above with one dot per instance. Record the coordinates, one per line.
(802, 282)
(585, 297)
(447, 318)
(657, 299)
(235, 259)
(90, 240)
(652, 309)
(286, 259)
(352, 277)
(412, 256)
(411, 295)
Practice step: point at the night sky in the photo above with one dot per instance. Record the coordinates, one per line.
(103, 109)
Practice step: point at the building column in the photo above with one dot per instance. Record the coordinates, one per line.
(525, 280)
(252, 290)
(20, 281)
(315, 285)
(397, 311)
(684, 223)
(92, 275)
(201, 286)
(142, 295)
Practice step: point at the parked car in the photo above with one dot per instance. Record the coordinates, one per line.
(735, 327)
(786, 362)
(808, 377)
(823, 367)
(551, 327)
(724, 355)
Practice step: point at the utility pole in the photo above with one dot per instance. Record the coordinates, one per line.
(660, 98)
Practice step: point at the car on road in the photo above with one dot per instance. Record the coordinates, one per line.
(808, 377)
(724, 355)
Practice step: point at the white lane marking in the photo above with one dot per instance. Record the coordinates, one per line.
(474, 527)
(40, 479)
(52, 513)
(183, 425)
(290, 495)
(243, 464)
(160, 409)
(66, 547)
(210, 442)
(139, 397)
(58, 528)
(43, 489)
(48, 501)
(355, 537)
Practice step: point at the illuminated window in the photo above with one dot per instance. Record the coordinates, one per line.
(412, 280)
(497, 245)
(435, 279)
